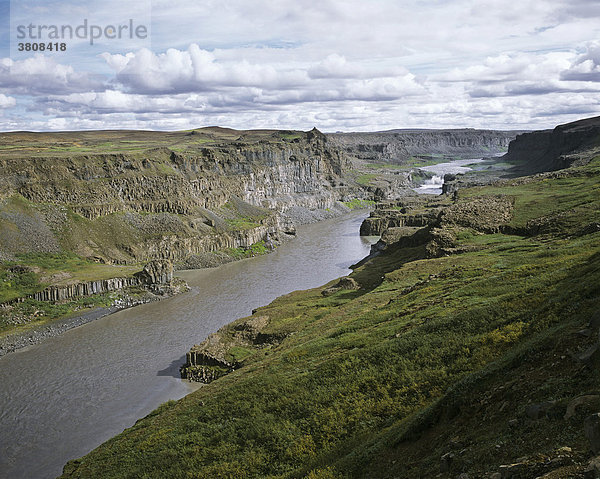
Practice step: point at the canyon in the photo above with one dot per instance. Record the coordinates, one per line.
(82, 212)
(465, 345)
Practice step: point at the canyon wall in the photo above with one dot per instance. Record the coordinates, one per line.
(127, 207)
(549, 150)
(399, 146)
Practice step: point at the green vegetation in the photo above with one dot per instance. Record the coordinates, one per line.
(65, 144)
(243, 216)
(17, 283)
(241, 252)
(430, 356)
(357, 204)
(32, 272)
(242, 223)
(30, 313)
(291, 135)
(365, 179)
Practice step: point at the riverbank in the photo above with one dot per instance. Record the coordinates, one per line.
(92, 382)
(14, 341)
(464, 349)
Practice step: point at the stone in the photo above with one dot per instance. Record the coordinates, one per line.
(156, 272)
(537, 411)
(510, 471)
(464, 475)
(592, 471)
(591, 429)
(590, 355)
(577, 402)
(446, 461)
(348, 283)
(595, 320)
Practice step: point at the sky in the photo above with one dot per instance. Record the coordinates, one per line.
(338, 65)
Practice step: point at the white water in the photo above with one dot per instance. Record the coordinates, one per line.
(433, 186)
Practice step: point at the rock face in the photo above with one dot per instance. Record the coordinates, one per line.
(225, 189)
(260, 173)
(550, 150)
(413, 212)
(156, 272)
(397, 146)
(592, 432)
(157, 277)
(225, 350)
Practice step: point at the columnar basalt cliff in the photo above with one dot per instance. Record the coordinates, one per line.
(549, 150)
(189, 192)
(156, 277)
(399, 146)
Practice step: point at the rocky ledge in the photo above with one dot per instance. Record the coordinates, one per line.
(224, 351)
(155, 282)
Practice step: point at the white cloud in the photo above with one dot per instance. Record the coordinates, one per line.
(194, 69)
(586, 67)
(42, 75)
(344, 65)
(7, 101)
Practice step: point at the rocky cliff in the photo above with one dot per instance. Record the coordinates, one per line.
(159, 195)
(399, 146)
(461, 350)
(156, 277)
(549, 150)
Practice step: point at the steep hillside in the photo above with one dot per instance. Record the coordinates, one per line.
(550, 150)
(468, 347)
(78, 209)
(400, 146)
(199, 191)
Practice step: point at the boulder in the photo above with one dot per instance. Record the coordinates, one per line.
(578, 402)
(156, 272)
(446, 461)
(513, 471)
(592, 471)
(538, 411)
(591, 429)
(348, 283)
(590, 356)
(595, 320)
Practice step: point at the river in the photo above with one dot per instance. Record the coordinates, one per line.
(433, 185)
(63, 397)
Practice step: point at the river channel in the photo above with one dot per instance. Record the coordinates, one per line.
(63, 397)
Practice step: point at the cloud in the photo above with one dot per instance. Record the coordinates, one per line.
(194, 70)
(345, 65)
(43, 75)
(7, 101)
(586, 67)
(336, 66)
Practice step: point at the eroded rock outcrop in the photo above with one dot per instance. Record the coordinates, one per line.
(223, 351)
(156, 277)
(549, 150)
(398, 146)
(226, 189)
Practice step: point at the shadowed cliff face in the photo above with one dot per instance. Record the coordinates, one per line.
(550, 150)
(398, 146)
(259, 171)
(189, 192)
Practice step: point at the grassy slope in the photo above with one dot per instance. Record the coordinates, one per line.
(431, 356)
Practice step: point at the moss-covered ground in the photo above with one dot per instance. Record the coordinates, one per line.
(431, 356)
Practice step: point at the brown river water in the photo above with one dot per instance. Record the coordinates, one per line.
(63, 397)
